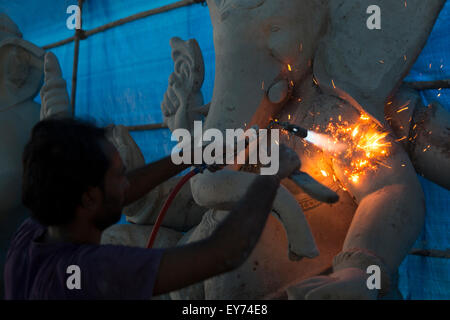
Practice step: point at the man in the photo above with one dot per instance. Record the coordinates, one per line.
(75, 185)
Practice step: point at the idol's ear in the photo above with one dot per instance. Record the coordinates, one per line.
(183, 100)
(54, 96)
(366, 66)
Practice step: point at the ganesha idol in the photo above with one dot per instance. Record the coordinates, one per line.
(316, 64)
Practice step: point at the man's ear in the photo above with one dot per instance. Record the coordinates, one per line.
(91, 198)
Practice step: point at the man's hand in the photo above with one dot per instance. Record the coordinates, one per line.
(289, 162)
(233, 240)
(345, 284)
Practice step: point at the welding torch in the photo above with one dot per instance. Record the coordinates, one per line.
(307, 183)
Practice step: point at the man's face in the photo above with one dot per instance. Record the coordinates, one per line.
(115, 187)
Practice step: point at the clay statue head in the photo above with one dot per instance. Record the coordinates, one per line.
(21, 65)
(262, 46)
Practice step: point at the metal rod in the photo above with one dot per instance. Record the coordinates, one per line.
(122, 21)
(147, 127)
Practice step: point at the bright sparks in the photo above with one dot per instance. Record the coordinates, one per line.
(364, 117)
(404, 107)
(363, 146)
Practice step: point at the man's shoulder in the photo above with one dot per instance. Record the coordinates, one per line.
(18, 258)
(27, 232)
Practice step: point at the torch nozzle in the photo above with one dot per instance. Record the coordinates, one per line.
(291, 128)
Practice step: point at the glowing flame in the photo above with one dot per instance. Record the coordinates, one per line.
(325, 142)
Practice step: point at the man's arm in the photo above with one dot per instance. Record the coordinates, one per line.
(227, 248)
(143, 180)
(233, 240)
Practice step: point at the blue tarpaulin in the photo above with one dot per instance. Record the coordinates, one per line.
(123, 74)
(421, 277)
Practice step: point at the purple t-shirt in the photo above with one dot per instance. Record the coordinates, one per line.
(35, 270)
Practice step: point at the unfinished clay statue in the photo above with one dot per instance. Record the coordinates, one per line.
(320, 67)
(21, 78)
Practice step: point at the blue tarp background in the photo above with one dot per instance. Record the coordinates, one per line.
(123, 74)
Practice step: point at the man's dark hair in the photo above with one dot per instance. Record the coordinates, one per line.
(62, 159)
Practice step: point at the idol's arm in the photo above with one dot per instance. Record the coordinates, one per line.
(388, 220)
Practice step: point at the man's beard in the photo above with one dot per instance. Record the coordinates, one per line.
(111, 215)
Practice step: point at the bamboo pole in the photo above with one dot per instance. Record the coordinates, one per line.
(122, 21)
(426, 85)
(59, 43)
(144, 127)
(78, 33)
(431, 253)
